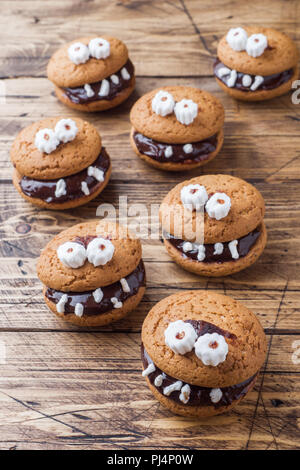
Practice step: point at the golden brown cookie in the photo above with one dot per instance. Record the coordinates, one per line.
(92, 273)
(201, 352)
(96, 77)
(177, 128)
(213, 224)
(60, 163)
(256, 63)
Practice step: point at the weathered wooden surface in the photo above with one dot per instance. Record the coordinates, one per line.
(61, 388)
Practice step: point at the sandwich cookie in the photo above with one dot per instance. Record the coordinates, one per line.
(177, 128)
(93, 273)
(92, 73)
(201, 352)
(213, 224)
(255, 63)
(60, 163)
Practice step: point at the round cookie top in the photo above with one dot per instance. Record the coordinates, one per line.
(126, 256)
(246, 343)
(246, 210)
(280, 55)
(168, 129)
(67, 159)
(64, 73)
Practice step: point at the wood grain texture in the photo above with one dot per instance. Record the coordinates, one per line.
(64, 388)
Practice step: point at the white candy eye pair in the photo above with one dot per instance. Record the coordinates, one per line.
(98, 252)
(98, 48)
(238, 40)
(185, 110)
(195, 197)
(47, 140)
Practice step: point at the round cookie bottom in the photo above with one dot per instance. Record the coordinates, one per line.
(169, 166)
(104, 318)
(194, 411)
(220, 269)
(100, 105)
(260, 95)
(64, 205)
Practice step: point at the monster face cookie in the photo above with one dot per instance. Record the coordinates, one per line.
(213, 224)
(255, 63)
(201, 352)
(93, 273)
(59, 163)
(92, 74)
(177, 128)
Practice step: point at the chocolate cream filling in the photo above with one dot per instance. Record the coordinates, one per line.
(199, 396)
(270, 81)
(45, 189)
(158, 150)
(79, 95)
(135, 280)
(243, 247)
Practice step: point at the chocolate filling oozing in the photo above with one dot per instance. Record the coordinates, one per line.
(156, 150)
(45, 189)
(270, 81)
(199, 396)
(243, 247)
(78, 95)
(135, 280)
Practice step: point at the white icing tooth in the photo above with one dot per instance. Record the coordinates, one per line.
(176, 386)
(256, 45)
(159, 380)
(218, 206)
(46, 141)
(125, 285)
(72, 254)
(78, 53)
(258, 80)
(232, 79)
(66, 130)
(89, 90)
(188, 148)
(115, 79)
(96, 173)
(211, 349)
(186, 111)
(215, 395)
(246, 80)
(61, 188)
(100, 251)
(187, 246)
(98, 295)
(116, 303)
(218, 248)
(233, 249)
(104, 88)
(222, 71)
(185, 393)
(201, 253)
(180, 337)
(151, 368)
(168, 152)
(85, 188)
(193, 196)
(237, 39)
(79, 310)
(60, 306)
(99, 48)
(124, 73)
(163, 103)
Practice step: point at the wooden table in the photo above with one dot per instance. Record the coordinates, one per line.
(65, 388)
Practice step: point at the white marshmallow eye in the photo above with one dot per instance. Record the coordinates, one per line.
(163, 103)
(218, 206)
(186, 111)
(72, 254)
(237, 39)
(99, 48)
(193, 196)
(46, 140)
(100, 251)
(211, 349)
(78, 53)
(180, 337)
(256, 45)
(66, 130)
